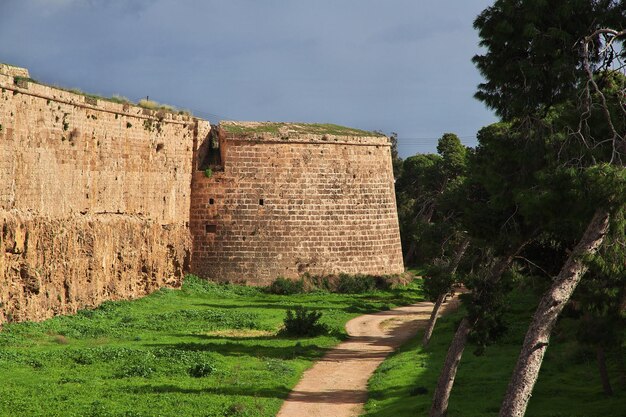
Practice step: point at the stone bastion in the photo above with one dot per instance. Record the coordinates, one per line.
(103, 200)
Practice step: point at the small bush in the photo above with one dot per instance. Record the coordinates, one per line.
(284, 286)
(153, 105)
(358, 284)
(236, 410)
(201, 369)
(208, 173)
(119, 99)
(301, 322)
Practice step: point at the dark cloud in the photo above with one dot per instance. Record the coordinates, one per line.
(399, 65)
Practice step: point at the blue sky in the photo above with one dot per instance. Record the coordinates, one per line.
(395, 65)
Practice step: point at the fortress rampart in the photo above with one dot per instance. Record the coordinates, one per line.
(94, 199)
(102, 200)
(289, 202)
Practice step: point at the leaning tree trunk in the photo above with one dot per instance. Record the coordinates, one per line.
(433, 319)
(552, 303)
(442, 297)
(439, 407)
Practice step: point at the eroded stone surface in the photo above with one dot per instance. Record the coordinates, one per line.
(94, 199)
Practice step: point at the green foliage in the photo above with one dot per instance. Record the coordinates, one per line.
(22, 81)
(342, 284)
(285, 286)
(453, 154)
(359, 284)
(200, 350)
(303, 322)
(141, 366)
(208, 172)
(486, 304)
(437, 280)
(153, 105)
(568, 386)
(531, 61)
(201, 370)
(119, 99)
(424, 192)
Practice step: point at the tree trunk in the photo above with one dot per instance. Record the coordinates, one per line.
(459, 255)
(552, 303)
(455, 352)
(604, 374)
(442, 297)
(410, 253)
(433, 319)
(439, 407)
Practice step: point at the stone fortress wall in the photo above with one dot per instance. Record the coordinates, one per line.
(94, 199)
(291, 201)
(103, 201)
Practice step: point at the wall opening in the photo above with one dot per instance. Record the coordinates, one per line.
(211, 201)
(210, 228)
(261, 202)
(209, 153)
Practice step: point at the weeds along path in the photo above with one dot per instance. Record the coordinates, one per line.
(336, 386)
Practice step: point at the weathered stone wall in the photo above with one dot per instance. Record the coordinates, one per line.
(56, 266)
(285, 206)
(98, 199)
(94, 199)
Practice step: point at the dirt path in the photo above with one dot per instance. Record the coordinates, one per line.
(336, 386)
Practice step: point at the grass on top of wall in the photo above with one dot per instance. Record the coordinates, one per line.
(285, 129)
(116, 98)
(568, 385)
(204, 350)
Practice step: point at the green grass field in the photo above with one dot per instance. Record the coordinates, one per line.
(205, 350)
(568, 385)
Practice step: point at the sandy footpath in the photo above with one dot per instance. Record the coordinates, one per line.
(336, 386)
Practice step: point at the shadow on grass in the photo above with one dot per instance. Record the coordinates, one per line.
(254, 350)
(261, 306)
(279, 392)
(358, 306)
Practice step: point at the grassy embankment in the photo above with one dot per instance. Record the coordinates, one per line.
(568, 386)
(205, 350)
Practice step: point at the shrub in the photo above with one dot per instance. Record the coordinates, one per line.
(208, 173)
(236, 410)
(284, 286)
(119, 99)
(358, 284)
(153, 105)
(201, 369)
(301, 322)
